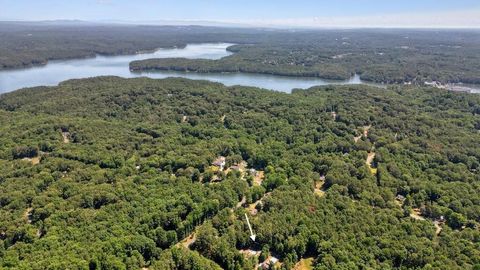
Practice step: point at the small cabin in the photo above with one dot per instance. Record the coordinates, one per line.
(269, 263)
(220, 163)
(400, 198)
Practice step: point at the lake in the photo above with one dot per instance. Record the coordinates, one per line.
(60, 70)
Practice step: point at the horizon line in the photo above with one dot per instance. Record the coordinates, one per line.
(223, 24)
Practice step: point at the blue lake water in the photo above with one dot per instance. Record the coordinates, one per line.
(57, 71)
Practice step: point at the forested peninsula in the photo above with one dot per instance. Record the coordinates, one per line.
(396, 57)
(31, 44)
(377, 55)
(112, 173)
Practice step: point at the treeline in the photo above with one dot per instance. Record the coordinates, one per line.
(382, 56)
(232, 65)
(392, 57)
(27, 44)
(135, 176)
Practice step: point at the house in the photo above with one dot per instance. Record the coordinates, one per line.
(441, 220)
(269, 263)
(219, 162)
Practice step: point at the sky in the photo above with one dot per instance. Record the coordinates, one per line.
(275, 13)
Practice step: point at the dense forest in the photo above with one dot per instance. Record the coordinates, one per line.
(111, 173)
(383, 56)
(398, 56)
(27, 44)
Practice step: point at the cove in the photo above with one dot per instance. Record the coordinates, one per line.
(57, 71)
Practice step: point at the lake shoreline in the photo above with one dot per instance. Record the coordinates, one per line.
(53, 72)
(89, 56)
(450, 86)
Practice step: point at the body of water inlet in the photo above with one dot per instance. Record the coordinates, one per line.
(57, 71)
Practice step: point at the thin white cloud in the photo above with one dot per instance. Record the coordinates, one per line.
(449, 19)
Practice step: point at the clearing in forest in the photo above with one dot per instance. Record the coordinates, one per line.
(369, 161)
(258, 179)
(319, 191)
(66, 137)
(416, 214)
(399, 200)
(252, 208)
(304, 264)
(250, 252)
(241, 167)
(438, 227)
(242, 202)
(190, 239)
(366, 129)
(187, 241)
(34, 160)
(271, 263)
(27, 215)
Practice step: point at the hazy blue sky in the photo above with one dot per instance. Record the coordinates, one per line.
(260, 12)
